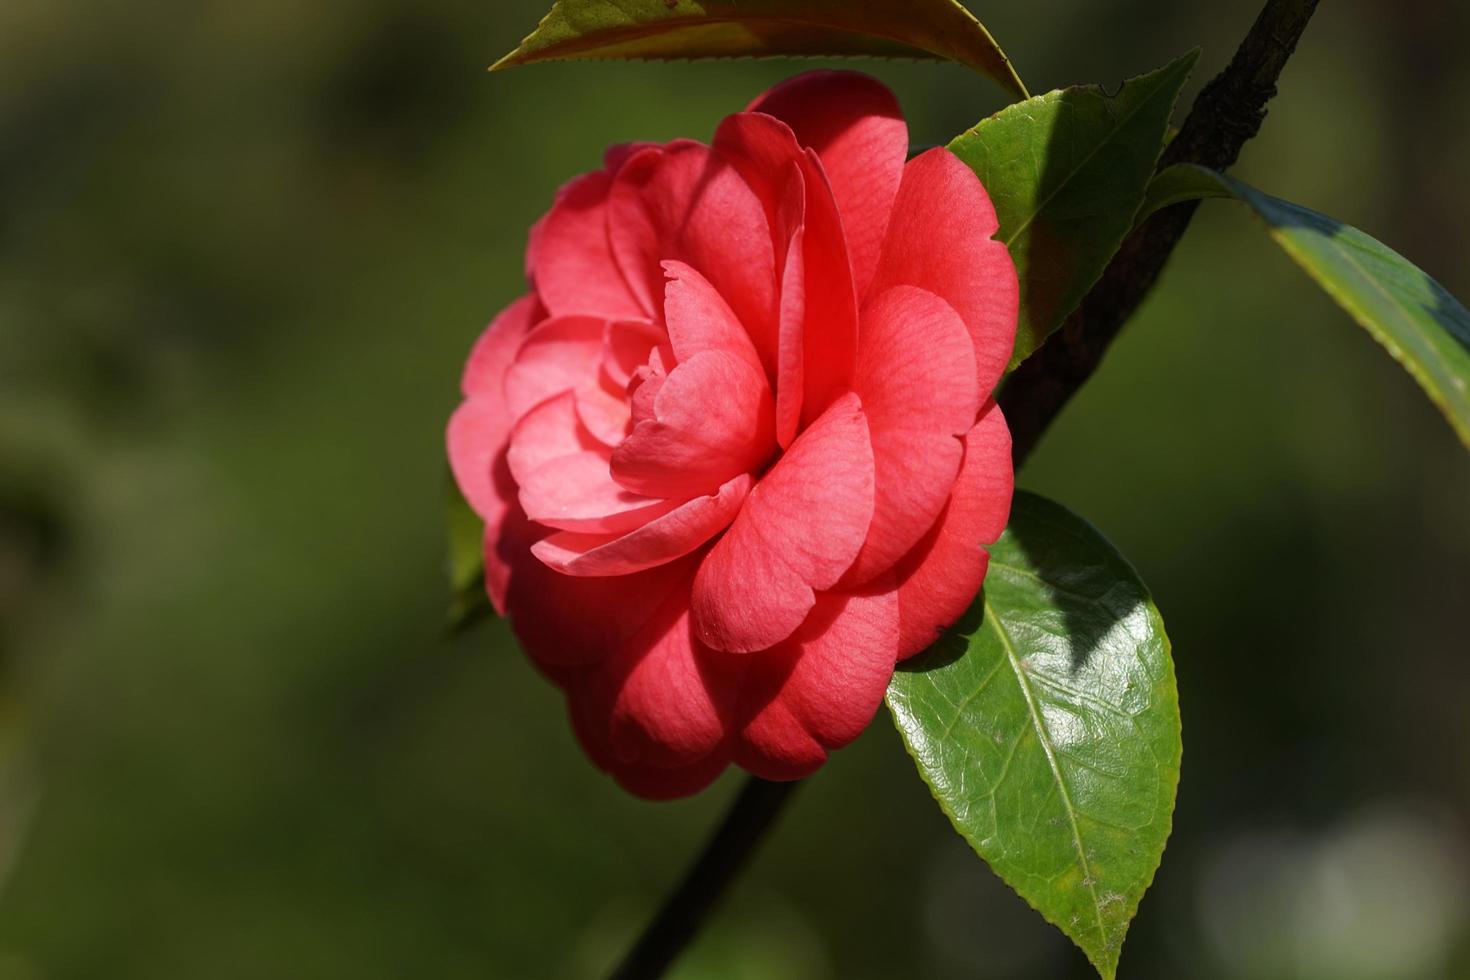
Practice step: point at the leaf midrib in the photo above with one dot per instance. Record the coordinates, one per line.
(1043, 736)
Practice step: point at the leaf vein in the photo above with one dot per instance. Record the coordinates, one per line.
(1044, 737)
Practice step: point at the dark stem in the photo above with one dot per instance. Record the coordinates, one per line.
(755, 809)
(1228, 112)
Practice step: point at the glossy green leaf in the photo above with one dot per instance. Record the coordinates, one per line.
(1416, 320)
(669, 29)
(466, 553)
(1047, 725)
(1067, 172)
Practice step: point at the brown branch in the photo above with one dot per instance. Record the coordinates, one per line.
(1227, 113)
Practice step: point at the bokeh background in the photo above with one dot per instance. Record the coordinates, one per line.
(243, 251)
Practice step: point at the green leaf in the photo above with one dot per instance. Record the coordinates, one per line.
(668, 29)
(1067, 172)
(1047, 725)
(1176, 185)
(1416, 320)
(466, 540)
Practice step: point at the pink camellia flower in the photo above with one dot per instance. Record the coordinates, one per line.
(736, 451)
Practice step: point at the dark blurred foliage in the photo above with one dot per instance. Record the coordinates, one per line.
(243, 251)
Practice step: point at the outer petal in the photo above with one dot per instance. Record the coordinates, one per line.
(821, 688)
(799, 531)
(479, 428)
(484, 373)
(663, 711)
(854, 124)
(560, 353)
(562, 620)
(919, 392)
(684, 202)
(662, 539)
(713, 420)
(476, 438)
(591, 721)
(939, 240)
(570, 259)
(659, 783)
(943, 573)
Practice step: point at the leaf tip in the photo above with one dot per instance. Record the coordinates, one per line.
(510, 60)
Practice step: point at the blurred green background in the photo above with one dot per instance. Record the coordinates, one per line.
(244, 249)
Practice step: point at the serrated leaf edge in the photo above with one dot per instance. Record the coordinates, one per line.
(1008, 78)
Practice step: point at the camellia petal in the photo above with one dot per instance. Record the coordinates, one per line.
(818, 690)
(559, 354)
(591, 716)
(562, 620)
(713, 419)
(761, 148)
(791, 322)
(737, 453)
(643, 393)
(495, 350)
(919, 393)
(548, 431)
(939, 577)
(799, 531)
(700, 320)
(479, 428)
(662, 539)
(570, 259)
(818, 316)
(855, 126)
(663, 710)
(577, 493)
(626, 346)
(684, 202)
(956, 260)
(605, 415)
(475, 437)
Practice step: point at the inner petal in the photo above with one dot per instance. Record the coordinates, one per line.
(604, 414)
(713, 419)
(685, 202)
(626, 347)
